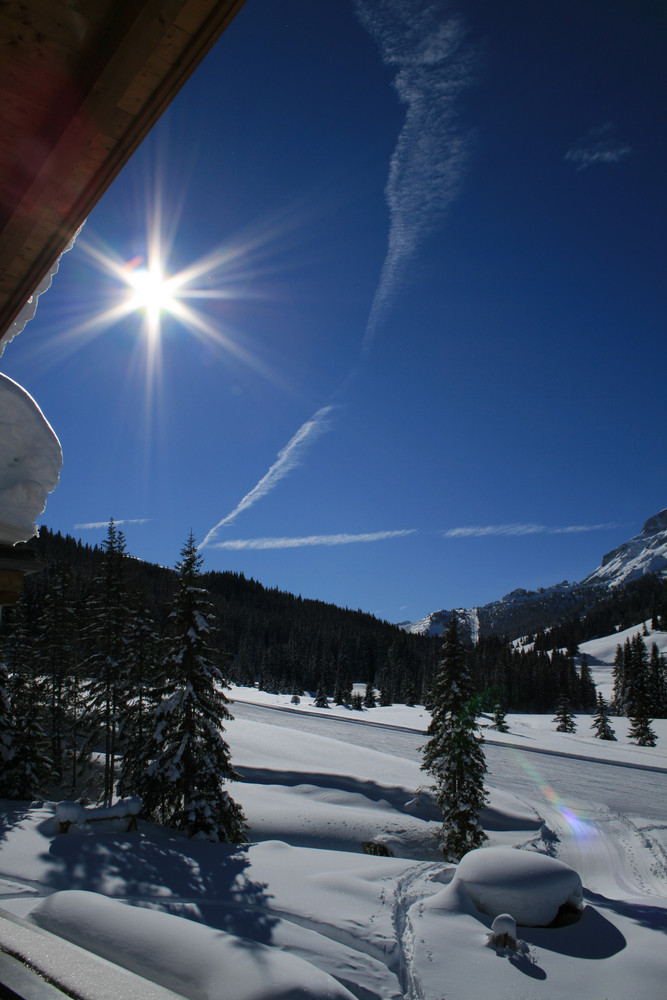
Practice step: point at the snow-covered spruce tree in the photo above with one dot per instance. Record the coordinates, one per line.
(600, 723)
(183, 783)
(620, 673)
(454, 755)
(640, 726)
(564, 717)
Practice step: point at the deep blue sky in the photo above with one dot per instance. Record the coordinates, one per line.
(479, 343)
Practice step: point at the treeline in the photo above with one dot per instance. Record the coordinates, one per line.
(270, 637)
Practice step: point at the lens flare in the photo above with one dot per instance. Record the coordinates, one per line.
(576, 823)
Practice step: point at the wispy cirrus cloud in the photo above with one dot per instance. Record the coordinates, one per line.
(482, 531)
(288, 458)
(433, 64)
(93, 525)
(600, 145)
(311, 540)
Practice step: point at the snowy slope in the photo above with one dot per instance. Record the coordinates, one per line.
(302, 912)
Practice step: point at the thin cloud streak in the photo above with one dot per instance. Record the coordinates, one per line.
(288, 458)
(432, 66)
(238, 544)
(93, 525)
(522, 529)
(598, 146)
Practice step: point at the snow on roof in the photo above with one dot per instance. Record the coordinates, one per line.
(30, 462)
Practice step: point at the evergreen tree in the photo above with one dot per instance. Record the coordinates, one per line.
(183, 784)
(142, 697)
(564, 718)
(600, 723)
(640, 727)
(639, 675)
(343, 688)
(321, 700)
(56, 649)
(106, 637)
(620, 674)
(453, 755)
(586, 685)
(369, 696)
(657, 683)
(499, 721)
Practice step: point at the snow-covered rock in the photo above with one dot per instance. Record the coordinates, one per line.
(30, 462)
(528, 886)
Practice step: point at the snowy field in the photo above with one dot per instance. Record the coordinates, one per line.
(302, 912)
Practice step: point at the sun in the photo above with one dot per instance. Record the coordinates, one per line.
(151, 291)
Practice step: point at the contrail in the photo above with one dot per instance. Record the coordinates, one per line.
(93, 525)
(432, 66)
(522, 529)
(288, 458)
(309, 540)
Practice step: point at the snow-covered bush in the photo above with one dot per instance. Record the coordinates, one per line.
(532, 887)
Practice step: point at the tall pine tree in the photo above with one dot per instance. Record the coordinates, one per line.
(106, 639)
(184, 782)
(454, 755)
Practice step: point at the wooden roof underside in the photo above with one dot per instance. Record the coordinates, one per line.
(81, 84)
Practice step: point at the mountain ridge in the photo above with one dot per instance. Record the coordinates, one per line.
(524, 611)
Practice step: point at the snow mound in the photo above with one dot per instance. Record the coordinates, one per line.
(186, 957)
(531, 887)
(30, 462)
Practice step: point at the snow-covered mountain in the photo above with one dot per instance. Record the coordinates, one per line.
(524, 611)
(645, 553)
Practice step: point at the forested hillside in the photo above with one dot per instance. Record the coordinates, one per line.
(290, 644)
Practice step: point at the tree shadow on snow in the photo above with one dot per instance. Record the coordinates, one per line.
(652, 917)
(591, 937)
(204, 882)
(402, 800)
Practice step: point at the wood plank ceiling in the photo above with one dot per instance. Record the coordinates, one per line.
(81, 84)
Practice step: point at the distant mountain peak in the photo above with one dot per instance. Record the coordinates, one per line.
(656, 523)
(523, 611)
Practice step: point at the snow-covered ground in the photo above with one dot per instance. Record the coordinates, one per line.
(302, 912)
